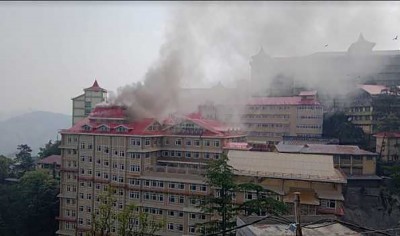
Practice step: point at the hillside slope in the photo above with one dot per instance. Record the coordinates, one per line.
(35, 129)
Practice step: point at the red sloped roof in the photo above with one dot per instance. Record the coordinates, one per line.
(282, 101)
(134, 127)
(96, 87)
(51, 159)
(108, 112)
(388, 134)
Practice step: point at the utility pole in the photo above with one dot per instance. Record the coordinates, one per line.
(297, 213)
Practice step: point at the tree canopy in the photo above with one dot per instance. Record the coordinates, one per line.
(221, 204)
(49, 149)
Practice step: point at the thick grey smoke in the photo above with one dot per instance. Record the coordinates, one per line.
(211, 42)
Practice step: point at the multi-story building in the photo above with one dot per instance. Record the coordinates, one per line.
(158, 166)
(268, 119)
(155, 166)
(388, 145)
(352, 160)
(83, 104)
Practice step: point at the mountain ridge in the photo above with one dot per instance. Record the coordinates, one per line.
(33, 128)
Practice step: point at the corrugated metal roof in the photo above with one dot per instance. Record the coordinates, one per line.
(322, 149)
(51, 159)
(285, 166)
(373, 89)
(335, 229)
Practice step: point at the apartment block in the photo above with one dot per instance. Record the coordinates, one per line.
(269, 119)
(83, 104)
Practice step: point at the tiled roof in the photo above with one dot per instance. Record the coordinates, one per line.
(281, 101)
(373, 89)
(108, 112)
(50, 160)
(115, 116)
(388, 134)
(322, 149)
(96, 87)
(134, 127)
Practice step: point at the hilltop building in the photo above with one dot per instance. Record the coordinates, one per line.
(83, 104)
(282, 76)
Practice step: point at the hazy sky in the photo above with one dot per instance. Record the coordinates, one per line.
(50, 51)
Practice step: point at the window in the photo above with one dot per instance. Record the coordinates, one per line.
(121, 129)
(193, 187)
(216, 143)
(328, 204)
(203, 188)
(172, 198)
(135, 168)
(135, 141)
(207, 155)
(178, 142)
(181, 199)
(134, 195)
(179, 227)
(80, 208)
(192, 229)
(80, 221)
(196, 155)
(83, 145)
(188, 155)
(147, 142)
(207, 143)
(179, 154)
(181, 186)
(188, 142)
(170, 226)
(197, 143)
(121, 153)
(121, 166)
(171, 185)
(88, 209)
(171, 213)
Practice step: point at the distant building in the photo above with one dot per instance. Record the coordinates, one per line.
(281, 76)
(352, 160)
(83, 104)
(388, 145)
(269, 119)
(50, 164)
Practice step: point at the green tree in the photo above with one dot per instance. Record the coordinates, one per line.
(50, 149)
(24, 157)
(220, 204)
(388, 123)
(107, 215)
(4, 167)
(31, 205)
(338, 125)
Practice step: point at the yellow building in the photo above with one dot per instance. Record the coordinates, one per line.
(388, 145)
(352, 160)
(83, 104)
(319, 183)
(268, 119)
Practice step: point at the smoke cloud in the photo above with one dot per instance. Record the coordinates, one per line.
(207, 43)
